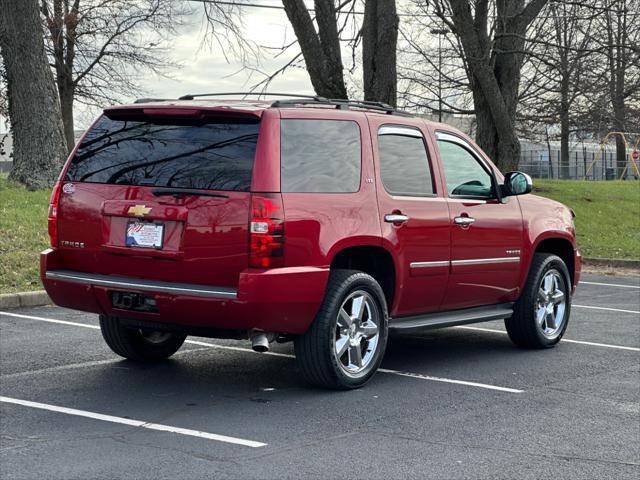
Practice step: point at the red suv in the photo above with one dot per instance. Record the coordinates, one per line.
(323, 222)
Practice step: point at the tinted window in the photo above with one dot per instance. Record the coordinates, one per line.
(464, 174)
(404, 167)
(215, 156)
(320, 156)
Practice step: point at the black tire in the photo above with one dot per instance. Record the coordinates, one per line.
(315, 354)
(523, 328)
(136, 344)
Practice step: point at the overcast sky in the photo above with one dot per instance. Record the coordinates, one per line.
(204, 67)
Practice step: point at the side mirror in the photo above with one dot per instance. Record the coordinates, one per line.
(516, 183)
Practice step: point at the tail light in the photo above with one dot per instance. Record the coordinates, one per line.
(53, 215)
(266, 231)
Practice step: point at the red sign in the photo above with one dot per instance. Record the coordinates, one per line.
(635, 155)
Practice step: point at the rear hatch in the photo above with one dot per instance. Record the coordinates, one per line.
(160, 194)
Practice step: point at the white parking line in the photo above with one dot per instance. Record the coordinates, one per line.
(385, 370)
(239, 349)
(564, 340)
(73, 366)
(285, 355)
(449, 380)
(50, 320)
(133, 423)
(609, 284)
(606, 308)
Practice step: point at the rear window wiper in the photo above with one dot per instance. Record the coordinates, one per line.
(181, 192)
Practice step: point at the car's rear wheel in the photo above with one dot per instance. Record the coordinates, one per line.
(346, 342)
(541, 315)
(137, 344)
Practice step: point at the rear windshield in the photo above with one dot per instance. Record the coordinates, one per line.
(217, 155)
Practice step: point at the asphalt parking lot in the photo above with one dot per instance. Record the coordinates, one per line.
(461, 402)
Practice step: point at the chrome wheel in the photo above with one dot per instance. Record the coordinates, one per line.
(551, 304)
(357, 333)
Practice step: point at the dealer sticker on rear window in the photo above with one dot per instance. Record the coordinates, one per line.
(144, 234)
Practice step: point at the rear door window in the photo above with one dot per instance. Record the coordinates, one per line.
(404, 165)
(212, 155)
(320, 156)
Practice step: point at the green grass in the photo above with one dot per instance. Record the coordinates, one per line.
(23, 235)
(607, 214)
(608, 224)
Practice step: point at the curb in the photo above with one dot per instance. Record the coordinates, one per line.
(38, 298)
(607, 262)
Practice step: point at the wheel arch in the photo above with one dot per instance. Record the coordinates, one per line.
(561, 246)
(374, 260)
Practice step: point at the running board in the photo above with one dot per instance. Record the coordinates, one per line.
(451, 318)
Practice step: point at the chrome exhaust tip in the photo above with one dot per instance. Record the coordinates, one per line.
(260, 341)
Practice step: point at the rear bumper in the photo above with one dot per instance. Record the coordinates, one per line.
(283, 300)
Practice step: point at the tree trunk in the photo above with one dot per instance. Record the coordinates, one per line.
(66, 107)
(62, 29)
(564, 128)
(321, 51)
(39, 148)
(379, 39)
(494, 74)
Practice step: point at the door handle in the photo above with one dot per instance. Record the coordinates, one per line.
(464, 221)
(395, 218)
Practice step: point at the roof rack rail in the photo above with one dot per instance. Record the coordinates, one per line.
(293, 100)
(258, 94)
(148, 100)
(343, 104)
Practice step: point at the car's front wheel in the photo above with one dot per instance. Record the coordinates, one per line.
(137, 344)
(541, 315)
(346, 342)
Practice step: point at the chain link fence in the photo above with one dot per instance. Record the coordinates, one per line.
(588, 162)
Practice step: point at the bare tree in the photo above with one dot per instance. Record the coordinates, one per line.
(621, 74)
(494, 51)
(431, 70)
(379, 41)
(560, 50)
(321, 49)
(34, 111)
(97, 47)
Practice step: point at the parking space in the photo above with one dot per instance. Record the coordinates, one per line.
(457, 402)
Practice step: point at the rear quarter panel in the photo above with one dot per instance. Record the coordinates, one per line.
(319, 225)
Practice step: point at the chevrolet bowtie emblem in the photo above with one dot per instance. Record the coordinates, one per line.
(138, 211)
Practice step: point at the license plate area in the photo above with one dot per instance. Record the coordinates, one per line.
(144, 234)
(133, 301)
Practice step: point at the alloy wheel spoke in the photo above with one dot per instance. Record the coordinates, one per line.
(357, 307)
(342, 344)
(541, 313)
(550, 321)
(344, 319)
(557, 297)
(548, 284)
(369, 330)
(542, 296)
(355, 355)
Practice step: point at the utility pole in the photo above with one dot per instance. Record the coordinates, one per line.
(440, 32)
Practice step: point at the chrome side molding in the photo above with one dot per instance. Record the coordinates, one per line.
(474, 261)
(477, 261)
(444, 263)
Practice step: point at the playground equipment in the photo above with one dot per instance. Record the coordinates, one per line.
(632, 158)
